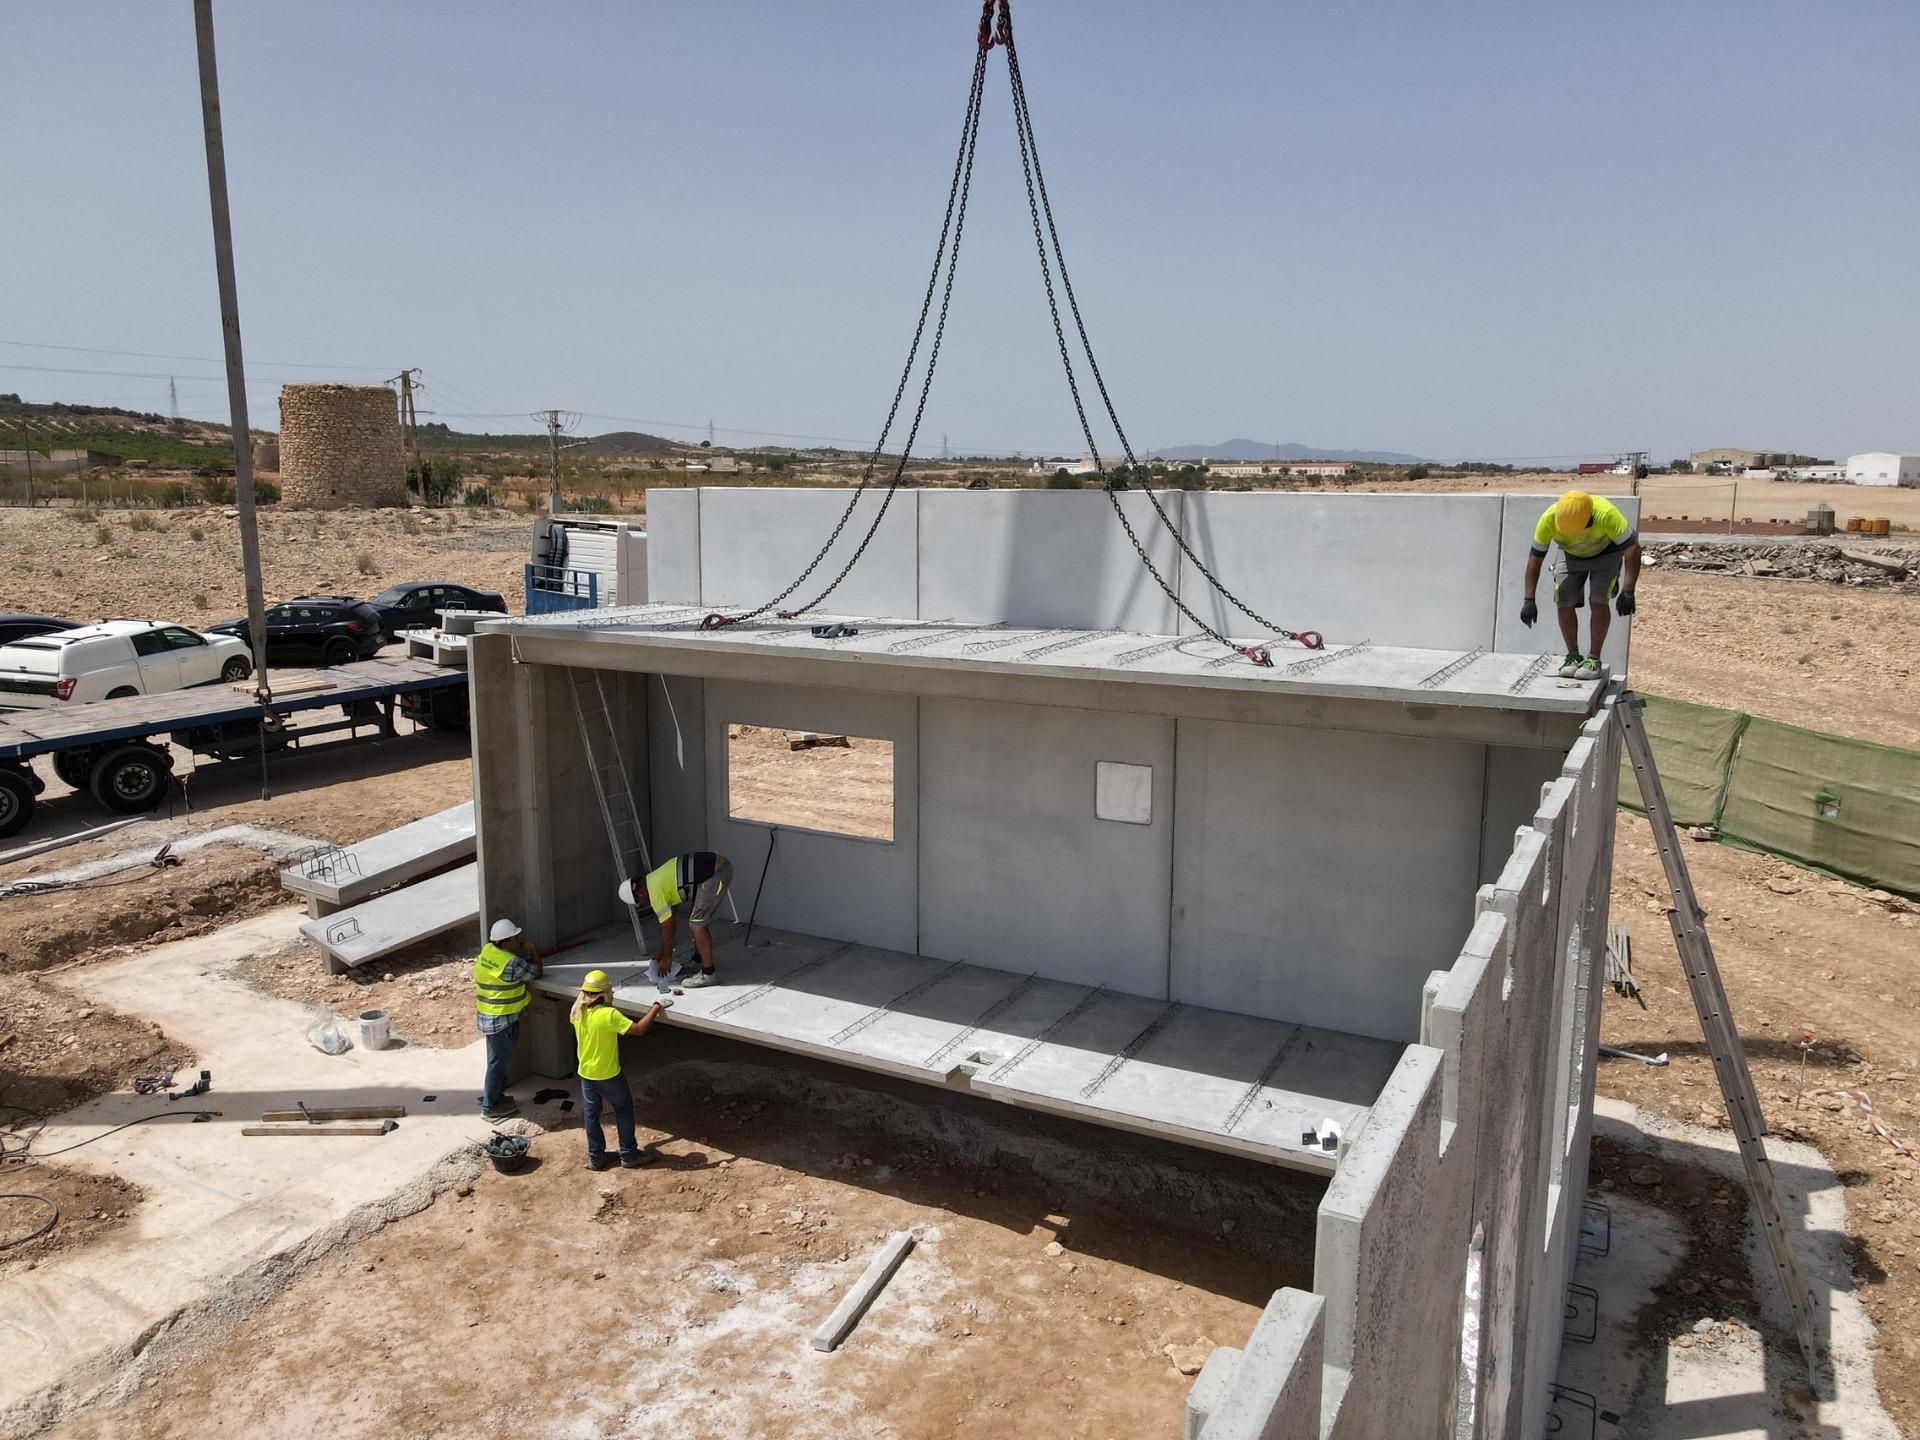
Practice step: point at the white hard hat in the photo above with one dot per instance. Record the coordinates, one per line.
(502, 930)
(626, 892)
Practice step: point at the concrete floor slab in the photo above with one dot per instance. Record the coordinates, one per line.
(398, 919)
(1210, 1078)
(382, 861)
(218, 1206)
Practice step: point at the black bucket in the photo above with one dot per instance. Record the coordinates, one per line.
(508, 1153)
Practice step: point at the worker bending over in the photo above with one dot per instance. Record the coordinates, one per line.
(700, 877)
(597, 1028)
(1597, 543)
(507, 961)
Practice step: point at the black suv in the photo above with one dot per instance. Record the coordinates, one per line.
(416, 606)
(316, 629)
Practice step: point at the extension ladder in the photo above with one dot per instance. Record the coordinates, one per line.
(1716, 1023)
(625, 836)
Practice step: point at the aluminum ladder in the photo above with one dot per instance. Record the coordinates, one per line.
(1689, 924)
(625, 837)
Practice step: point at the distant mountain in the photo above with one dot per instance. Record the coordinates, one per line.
(1259, 450)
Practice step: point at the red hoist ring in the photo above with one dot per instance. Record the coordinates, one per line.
(1311, 639)
(716, 621)
(1257, 654)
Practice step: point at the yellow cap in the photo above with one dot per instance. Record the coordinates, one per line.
(1573, 513)
(597, 982)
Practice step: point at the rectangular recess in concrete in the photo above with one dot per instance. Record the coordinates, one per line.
(1204, 1077)
(398, 918)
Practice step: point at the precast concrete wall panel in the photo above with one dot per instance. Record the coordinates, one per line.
(754, 543)
(677, 764)
(673, 547)
(503, 737)
(841, 887)
(1053, 558)
(1414, 570)
(1016, 871)
(1320, 875)
(1521, 514)
(1515, 775)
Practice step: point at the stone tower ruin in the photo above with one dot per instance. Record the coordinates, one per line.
(340, 445)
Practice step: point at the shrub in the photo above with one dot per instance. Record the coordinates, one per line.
(435, 481)
(409, 525)
(142, 520)
(590, 505)
(1418, 472)
(1061, 480)
(215, 489)
(265, 492)
(83, 516)
(476, 495)
(199, 599)
(363, 562)
(103, 534)
(196, 533)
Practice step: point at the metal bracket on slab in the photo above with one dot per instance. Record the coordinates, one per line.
(794, 973)
(981, 647)
(913, 993)
(1127, 657)
(1132, 1048)
(1448, 671)
(921, 642)
(998, 1007)
(1084, 1004)
(1315, 662)
(1091, 635)
(1252, 1092)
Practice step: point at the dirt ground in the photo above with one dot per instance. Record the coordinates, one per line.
(846, 788)
(184, 565)
(677, 1301)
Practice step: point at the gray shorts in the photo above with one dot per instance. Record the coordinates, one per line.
(706, 897)
(1570, 578)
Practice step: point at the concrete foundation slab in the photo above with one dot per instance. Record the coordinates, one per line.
(398, 919)
(1209, 1078)
(383, 861)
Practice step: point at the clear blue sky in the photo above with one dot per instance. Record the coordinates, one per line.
(1498, 230)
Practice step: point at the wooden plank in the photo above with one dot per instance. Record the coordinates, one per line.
(374, 1127)
(854, 1303)
(336, 1112)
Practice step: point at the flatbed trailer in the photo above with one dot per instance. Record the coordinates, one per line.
(118, 749)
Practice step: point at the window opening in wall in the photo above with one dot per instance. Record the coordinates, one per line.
(810, 780)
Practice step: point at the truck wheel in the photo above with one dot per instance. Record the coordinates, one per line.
(131, 778)
(73, 766)
(448, 708)
(236, 669)
(16, 802)
(120, 692)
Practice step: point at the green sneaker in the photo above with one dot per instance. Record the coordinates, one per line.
(1570, 666)
(1589, 668)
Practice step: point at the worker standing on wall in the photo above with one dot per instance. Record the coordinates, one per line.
(1598, 544)
(699, 877)
(507, 961)
(597, 1028)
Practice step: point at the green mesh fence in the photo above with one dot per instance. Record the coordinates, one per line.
(1847, 807)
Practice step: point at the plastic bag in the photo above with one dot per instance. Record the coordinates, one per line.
(327, 1035)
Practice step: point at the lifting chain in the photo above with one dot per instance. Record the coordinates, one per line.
(996, 28)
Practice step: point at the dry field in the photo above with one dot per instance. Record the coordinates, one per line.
(379, 1339)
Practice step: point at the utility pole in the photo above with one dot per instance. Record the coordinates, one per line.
(411, 420)
(236, 367)
(27, 435)
(173, 403)
(709, 432)
(558, 423)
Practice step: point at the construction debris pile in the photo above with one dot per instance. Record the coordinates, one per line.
(1834, 563)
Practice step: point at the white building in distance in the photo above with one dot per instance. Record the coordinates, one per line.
(1883, 467)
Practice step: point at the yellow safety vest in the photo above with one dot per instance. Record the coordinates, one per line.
(492, 995)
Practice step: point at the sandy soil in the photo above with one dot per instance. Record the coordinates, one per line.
(846, 789)
(1797, 952)
(677, 1302)
(1698, 496)
(427, 989)
(187, 566)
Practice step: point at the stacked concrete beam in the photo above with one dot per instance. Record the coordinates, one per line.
(1463, 1189)
(340, 446)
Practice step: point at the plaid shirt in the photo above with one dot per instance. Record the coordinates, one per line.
(517, 969)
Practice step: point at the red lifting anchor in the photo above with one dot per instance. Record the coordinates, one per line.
(716, 621)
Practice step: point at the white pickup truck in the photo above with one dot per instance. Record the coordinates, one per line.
(112, 659)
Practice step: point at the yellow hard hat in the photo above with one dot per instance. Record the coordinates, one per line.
(598, 982)
(1573, 513)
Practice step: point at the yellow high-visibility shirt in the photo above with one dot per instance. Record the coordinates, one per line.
(663, 888)
(596, 1036)
(1609, 527)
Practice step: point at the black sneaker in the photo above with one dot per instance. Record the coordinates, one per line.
(508, 1111)
(602, 1163)
(638, 1161)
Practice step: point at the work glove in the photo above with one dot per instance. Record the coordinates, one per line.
(1623, 604)
(1529, 612)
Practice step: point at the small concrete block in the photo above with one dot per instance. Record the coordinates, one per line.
(873, 1279)
(1210, 1388)
(1123, 792)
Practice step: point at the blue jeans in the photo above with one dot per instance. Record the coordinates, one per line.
(493, 1091)
(614, 1092)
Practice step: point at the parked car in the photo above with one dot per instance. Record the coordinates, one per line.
(315, 629)
(19, 627)
(113, 659)
(415, 605)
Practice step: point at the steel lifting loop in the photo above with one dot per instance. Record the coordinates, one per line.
(1311, 639)
(716, 621)
(1257, 654)
(991, 35)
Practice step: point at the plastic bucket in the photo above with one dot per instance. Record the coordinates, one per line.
(373, 1029)
(507, 1152)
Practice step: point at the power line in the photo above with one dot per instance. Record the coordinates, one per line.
(203, 359)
